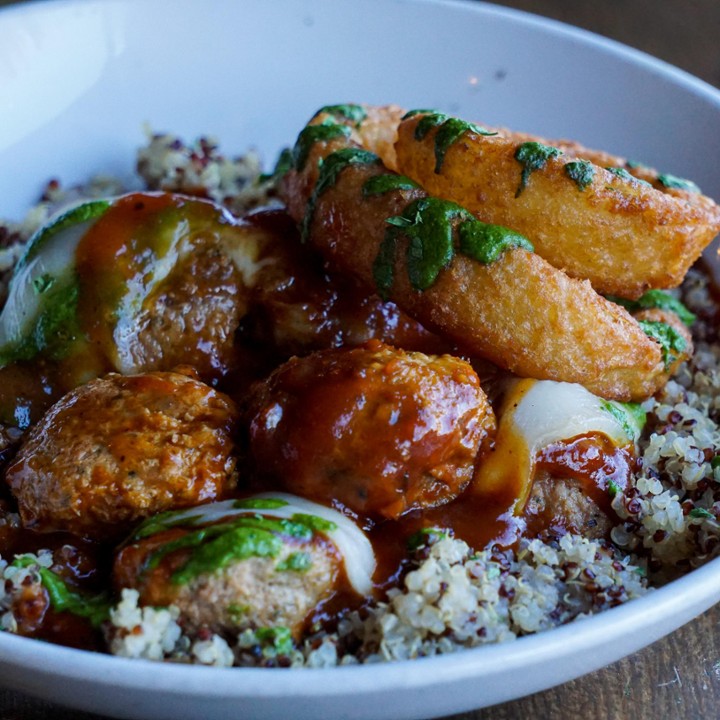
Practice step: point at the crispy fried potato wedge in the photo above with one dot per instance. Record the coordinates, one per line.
(518, 311)
(604, 225)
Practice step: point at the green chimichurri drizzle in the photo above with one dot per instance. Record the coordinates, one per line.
(656, 299)
(631, 416)
(671, 341)
(427, 536)
(533, 156)
(283, 165)
(677, 183)
(260, 504)
(330, 169)
(625, 175)
(449, 133)
(412, 113)
(278, 637)
(214, 547)
(347, 111)
(295, 562)
(581, 172)
(311, 134)
(381, 184)
(55, 328)
(62, 599)
(430, 225)
(486, 243)
(450, 130)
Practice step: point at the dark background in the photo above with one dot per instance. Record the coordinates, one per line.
(678, 677)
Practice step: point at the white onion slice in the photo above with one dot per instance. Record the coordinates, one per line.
(537, 413)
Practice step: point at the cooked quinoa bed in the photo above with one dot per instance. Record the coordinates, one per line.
(450, 596)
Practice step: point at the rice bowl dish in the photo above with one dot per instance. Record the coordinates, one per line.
(450, 595)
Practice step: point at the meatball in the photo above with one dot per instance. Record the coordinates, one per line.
(559, 505)
(375, 429)
(193, 317)
(162, 282)
(229, 567)
(121, 448)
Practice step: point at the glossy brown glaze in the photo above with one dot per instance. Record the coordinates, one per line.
(375, 429)
(144, 317)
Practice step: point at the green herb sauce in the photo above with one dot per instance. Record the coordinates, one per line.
(62, 599)
(625, 175)
(55, 327)
(216, 546)
(381, 184)
(656, 299)
(677, 183)
(279, 638)
(533, 156)
(311, 134)
(295, 562)
(430, 225)
(354, 113)
(330, 170)
(260, 504)
(314, 522)
(450, 130)
(631, 416)
(671, 341)
(581, 172)
(486, 243)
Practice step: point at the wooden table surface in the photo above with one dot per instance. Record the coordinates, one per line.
(679, 676)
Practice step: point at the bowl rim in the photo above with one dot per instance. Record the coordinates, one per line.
(571, 638)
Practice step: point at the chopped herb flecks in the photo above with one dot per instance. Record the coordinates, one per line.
(431, 226)
(656, 299)
(450, 130)
(625, 175)
(533, 156)
(354, 113)
(671, 341)
(326, 130)
(581, 172)
(677, 183)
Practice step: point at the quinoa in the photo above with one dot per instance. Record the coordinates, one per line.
(450, 596)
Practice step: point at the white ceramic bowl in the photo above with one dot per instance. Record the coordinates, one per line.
(78, 79)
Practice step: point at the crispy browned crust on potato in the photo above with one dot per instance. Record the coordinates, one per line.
(623, 235)
(519, 312)
(376, 132)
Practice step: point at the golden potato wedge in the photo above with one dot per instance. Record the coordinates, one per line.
(518, 311)
(604, 225)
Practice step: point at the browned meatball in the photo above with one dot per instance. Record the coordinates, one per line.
(161, 284)
(571, 489)
(121, 448)
(194, 315)
(378, 430)
(241, 572)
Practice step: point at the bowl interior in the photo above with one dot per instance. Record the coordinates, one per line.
(78, 79)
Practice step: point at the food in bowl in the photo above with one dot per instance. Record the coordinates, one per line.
(337, 414)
